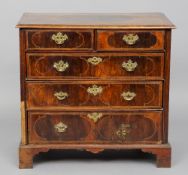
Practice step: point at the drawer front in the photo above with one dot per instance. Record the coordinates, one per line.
(130, 95)
(130, 40)
(61, 66)
(60, 40)
(134, 127)
(56, 127)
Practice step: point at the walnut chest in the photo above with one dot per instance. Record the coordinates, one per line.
(94, 82)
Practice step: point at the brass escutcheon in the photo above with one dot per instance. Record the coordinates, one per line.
(128, 96)
(61, 66)
(129, 66)
(95, 116)
(60, 127)
(130, 39)
(60, 38)
(123, 131)
(94, 60)
(95, 90)
(61, 95)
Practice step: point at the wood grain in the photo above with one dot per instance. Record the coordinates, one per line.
(95, 20)
(22, 87)
(149, 66)
(166, 86)
(148, 95)
(145, 127)
(42, 40)
(113, 40)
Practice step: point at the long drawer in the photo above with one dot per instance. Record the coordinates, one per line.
(134, 127)
(95, 66)
(96, 94)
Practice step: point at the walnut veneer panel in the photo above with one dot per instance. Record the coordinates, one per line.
(116, 40)
(95, 66)
(63, 40)
(79, 127)
(142, 95)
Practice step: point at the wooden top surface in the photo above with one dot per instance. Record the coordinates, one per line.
(98, 20)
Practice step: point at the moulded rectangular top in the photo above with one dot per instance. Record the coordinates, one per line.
(96, 20)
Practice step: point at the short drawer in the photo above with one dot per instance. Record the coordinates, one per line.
(95, 66)
(96, 127)
(59, 39)
(130, 40)
(79, 94)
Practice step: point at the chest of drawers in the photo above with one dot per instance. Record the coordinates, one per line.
(94, 82)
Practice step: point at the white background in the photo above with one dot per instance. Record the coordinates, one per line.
(11, 11)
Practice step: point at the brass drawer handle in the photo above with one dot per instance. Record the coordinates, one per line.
(130, 39)
(129, 66)
(60, 127)
(61, 95)
(60, 38)
(95, 116)
(95, 90)
(94, 60)
(123, 131)
(128, 96)
(61, 66)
